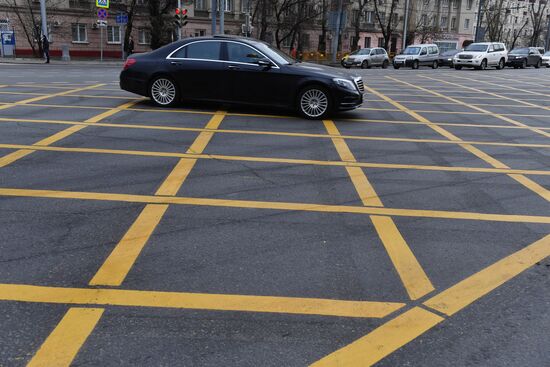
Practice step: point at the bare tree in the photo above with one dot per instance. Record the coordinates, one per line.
(356, 21)
(161, 23)
(514, 34)
(385, 14)
(289, 18)
(495, 18)
(537, 16)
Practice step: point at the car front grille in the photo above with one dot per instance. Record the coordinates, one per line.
(360, 85)
(465, 57)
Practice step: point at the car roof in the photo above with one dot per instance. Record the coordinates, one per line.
(423, 44)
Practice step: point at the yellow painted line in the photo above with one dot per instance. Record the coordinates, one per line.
(273, 133)
(415, 280)
(111, 112)
(478, 285)
(476, 151)
(322, 208)
(278, 160)
(67, 338)
(383, 341)
(41, 98)
(404, 328)
(497, 115)
(200, 301)
(532, 185)
(24, 93)
(43, 143)
(515, 88)
(118, 264)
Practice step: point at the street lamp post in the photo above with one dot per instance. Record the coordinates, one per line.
(43, 16)
(406, 25)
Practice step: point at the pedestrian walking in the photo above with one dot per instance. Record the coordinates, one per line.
(46, 48)
(130, 46)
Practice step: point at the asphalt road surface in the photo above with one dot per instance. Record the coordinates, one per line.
(413, 231)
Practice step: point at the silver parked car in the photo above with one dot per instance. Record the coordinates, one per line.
(366, 58)
(418, 55)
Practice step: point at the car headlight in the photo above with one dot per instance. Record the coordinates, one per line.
(479, 56)
(344, 83)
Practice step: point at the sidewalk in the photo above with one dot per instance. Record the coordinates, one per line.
(31, 61)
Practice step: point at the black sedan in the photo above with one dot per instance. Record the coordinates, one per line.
(523, 57)
(239, 70)
(446, 58)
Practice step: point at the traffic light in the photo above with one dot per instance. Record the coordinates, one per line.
(183, 17)
(177, 17)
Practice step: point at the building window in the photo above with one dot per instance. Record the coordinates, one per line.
(424, 20)
(228, 5)
(367, 42)
(140, 2)
(469, 4)
(4, 24)
(381, 42)
(144, 36)
(79, 33)
(113, 34)
(446, 45)
(453, 23)
(466, 23)
(369, 17)
(200, 5)
(455, 4)
(445, 3)
(443, 22)
(286, 42)
(199, 33)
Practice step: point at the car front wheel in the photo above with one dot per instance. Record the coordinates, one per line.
(458, 67)
(164, 92)
(538, 64)
(385, 64)
(314, 102)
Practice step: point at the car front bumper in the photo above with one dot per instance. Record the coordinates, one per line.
(347, 99)
(401, 63)
(467, 62)
(514, 62)
(348, 62)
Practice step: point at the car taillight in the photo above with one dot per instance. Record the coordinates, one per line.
(129, 62)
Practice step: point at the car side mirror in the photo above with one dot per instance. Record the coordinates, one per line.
(531, 53)
(264, 63)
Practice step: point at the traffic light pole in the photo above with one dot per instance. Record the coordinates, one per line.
(222, 16)
(44, 21)
(179, 28)
(214, 5)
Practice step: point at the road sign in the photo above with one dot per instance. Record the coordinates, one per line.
(102, 14)
(101, 23)
(122, 18)
(102, 4)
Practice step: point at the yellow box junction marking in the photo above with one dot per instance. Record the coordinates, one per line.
(198, 301)
(64, 342)
(416, 282)
(404, 328)
(541, 191)
(117, 265)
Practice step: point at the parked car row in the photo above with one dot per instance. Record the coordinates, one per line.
(477, 55)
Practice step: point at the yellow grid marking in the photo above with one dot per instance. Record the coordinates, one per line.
(477, 152)
(65, 341)
(279, 160)
(404, 328)
(201, 301)
(118, 264)
(499, 87)
(275, 205)
(497, 115)
(122, 125)
(40, 98)
(413, 277)
(383, 341)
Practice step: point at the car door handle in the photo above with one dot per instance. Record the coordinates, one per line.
(233, 67)
(175, 63)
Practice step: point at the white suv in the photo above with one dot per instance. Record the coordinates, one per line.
(481, 55)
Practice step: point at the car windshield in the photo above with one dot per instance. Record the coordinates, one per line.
(547, 53)
(411, 51)
(449, 53)
(475, 47)
(277, 55)
(519, 51)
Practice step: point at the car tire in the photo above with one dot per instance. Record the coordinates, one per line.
(538, 64)
(396, 67)
(500, 65)
(347, 66)
(385, 64)
(365, 64)
(314, 102)
(547, 66)
(483, 65)
(458, 67)
(523, 64)
(435, 65)
(415, 64)
(164, 91)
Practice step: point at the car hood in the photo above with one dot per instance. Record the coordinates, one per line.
(473, 53)
(323, 70)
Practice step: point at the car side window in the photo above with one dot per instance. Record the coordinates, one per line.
(423, 52)
(491, 49)
(200, 50)
(237, 52)
(381, 51)
(373, 52)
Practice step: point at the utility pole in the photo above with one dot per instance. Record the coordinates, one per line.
(179, 26)
(222, 16)
(406, 25)
(43, 16)
(479, 20)
(547, 43)
(336, 36)
(214, 5)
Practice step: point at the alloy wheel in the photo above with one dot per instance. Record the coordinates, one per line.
(163, 91)
(314, 103)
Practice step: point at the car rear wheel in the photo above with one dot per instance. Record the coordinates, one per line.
(500, 64)
(164, 92)
(435, 64)
(458, 67)
(385, 64)
(314, 102)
